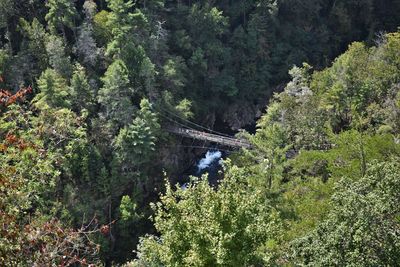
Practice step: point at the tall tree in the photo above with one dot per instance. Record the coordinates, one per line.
(53, 91)
(61, 14)
(82, 94)
(116, 94)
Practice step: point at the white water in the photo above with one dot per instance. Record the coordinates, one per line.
(210, 157)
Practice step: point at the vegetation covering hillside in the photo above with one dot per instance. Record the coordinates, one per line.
(86, 166)
(335, 203)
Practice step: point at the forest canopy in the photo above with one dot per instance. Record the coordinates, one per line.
(89, 175)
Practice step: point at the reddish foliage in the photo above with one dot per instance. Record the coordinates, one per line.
(13, 140)
(53, 243)
(105, 229)
(7, 98)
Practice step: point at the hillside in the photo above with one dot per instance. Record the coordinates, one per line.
(89, 91)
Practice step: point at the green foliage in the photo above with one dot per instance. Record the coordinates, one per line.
(61, 14)
(357, 84)
(29, 177)
(58, 57)
(127, 209)
(349, 157)
(23, 163)
(336, 123)
(87, 146)
(268, 153)
(121, 22)
(306, 203)
(136, 142)
(4, 58)
(174, 70)
(183, 108)
(81, 92)
(37, 36)
(362, 228)
(116, 95)
(101, 29)
(53, 91)
(204, 226)
(7, 9)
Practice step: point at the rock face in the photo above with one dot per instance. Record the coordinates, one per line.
(239, 115)
(177, 160)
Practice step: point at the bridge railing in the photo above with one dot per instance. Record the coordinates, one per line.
(228, 141)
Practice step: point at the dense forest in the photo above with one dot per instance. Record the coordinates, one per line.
(89, 175)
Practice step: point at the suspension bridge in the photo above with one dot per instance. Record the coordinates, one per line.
(204, 136)
(188, 129)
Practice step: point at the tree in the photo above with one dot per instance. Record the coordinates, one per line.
(59, 60)
(101, 28)
(7, 9)
(129, 37)
(86, 46)
(269, 153)
(136, 142)
(204, 226)
(134, 147)
(36, 36)
(362, 229)
(121, 22)
(61, 14)
(82, 93)
(53, 91)
(29, 179)
(116, 94)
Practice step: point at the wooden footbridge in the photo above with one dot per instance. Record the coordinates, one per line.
(204, 136)
(183, 127)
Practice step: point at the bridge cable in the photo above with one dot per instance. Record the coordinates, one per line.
(174, 121)
(200, 126)
(188, 127)
(205, 147)
(191, 128)
(193, 123)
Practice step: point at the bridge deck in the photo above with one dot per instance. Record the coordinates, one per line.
(223, 140)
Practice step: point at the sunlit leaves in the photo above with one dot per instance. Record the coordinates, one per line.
(202, 225)
(362, 228)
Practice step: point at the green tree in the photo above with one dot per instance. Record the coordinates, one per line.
(61, 14)
(204, 226)
(362, 229)
(116, 94)
(135, 145)
(138, 140)
(30, 174)
(101, 29)
(122, 22)
(82, 94)
(36, 36)
(59, 59)
(53, 91)
(269, 153)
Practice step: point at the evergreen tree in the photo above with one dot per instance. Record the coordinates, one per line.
(82, 93)
(53, 91)
(59, 59)
(116, 95)
(86, 46)
(134, 149)
(61, 14)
